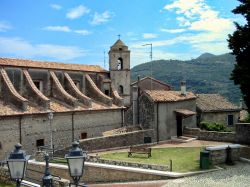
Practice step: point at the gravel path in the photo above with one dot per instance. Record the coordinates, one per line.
(233, 176)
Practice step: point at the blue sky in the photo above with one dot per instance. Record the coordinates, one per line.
(79, 31)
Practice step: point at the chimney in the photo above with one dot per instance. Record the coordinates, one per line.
(135, 104)
(183, 88)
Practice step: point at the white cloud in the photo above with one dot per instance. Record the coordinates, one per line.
(149, 35)
(82, 32)
(23, 49)
(4, 26)
(212, 47)
(210, 29)
(77, 12)
(101, 18)
(173, 30)
(58, 28)
(56, 6)
(198, 16)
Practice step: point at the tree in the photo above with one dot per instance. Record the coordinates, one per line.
(239, 43)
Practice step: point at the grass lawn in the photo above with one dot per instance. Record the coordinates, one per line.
(184, 158)
(6, 185)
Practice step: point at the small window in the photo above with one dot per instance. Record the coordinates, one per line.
(40, 142)
(120, 91)
(120, 63)
(1, 146)
(120, 49)
(147, 139)
(39, 85)
(83, 135)
(77, 83)
(106, 92)
(230, 120)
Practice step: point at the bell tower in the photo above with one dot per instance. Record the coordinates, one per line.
(119, 67)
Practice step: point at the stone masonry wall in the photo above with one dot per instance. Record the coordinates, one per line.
(93, 173)
(210, 135)
(218, 154)
(243, 133)
(121, 140)
(4, 175)
(96, 159)
(37, 127)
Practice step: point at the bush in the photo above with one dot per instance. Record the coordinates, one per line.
(212, 126)
(247, 120)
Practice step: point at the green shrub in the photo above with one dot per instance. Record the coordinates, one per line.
(247, 120)
(212, 126)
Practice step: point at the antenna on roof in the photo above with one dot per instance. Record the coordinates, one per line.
(119, 36)
(104, 59)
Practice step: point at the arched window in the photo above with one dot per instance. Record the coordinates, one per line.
(120, 63)
(120, 91)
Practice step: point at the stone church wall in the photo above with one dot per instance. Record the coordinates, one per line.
(64, 128)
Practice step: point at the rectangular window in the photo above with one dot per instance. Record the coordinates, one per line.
(230, 120)
(39, 84)
(77, 83)
(1, 146)
(106, 92)
(40, 142)
(83, 135)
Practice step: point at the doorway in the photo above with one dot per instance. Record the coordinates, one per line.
(179, 125)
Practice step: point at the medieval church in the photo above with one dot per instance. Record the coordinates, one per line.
(48, 103)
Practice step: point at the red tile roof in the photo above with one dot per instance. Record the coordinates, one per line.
(213, 103)
(169, 96)
(49, 65)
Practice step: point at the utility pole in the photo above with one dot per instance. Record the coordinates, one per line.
(151, 59)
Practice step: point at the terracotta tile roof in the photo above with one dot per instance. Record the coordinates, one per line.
(168, 96)
(153, 79)
(213, 103)
(55, 106)
(49, 65)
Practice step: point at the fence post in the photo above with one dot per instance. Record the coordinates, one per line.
(171, 165)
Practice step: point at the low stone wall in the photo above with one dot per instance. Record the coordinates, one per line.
(4, 175)
(96, 159)
(245, 152)
(218, 154)
(210, 135)
(243, 133)
(93, 173)
(107, 142)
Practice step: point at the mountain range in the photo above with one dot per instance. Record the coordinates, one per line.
(207, 73)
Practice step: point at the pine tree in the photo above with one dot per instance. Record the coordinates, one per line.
(239, 43)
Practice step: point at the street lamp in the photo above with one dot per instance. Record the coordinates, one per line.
(50, 116)
(151, 59)
(17, 163)
(76, 158)
(47, 178)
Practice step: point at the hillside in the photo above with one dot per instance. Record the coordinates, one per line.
(206, 74)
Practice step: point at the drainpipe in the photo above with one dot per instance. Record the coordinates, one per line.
(138, 104)
(157, 123)
(122, 113)
(20, 129)
(73, 126)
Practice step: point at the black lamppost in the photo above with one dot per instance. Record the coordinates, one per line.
(76, 158)
(17, 164)
(47, 178)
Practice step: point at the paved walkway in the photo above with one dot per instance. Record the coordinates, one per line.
(232, 176)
